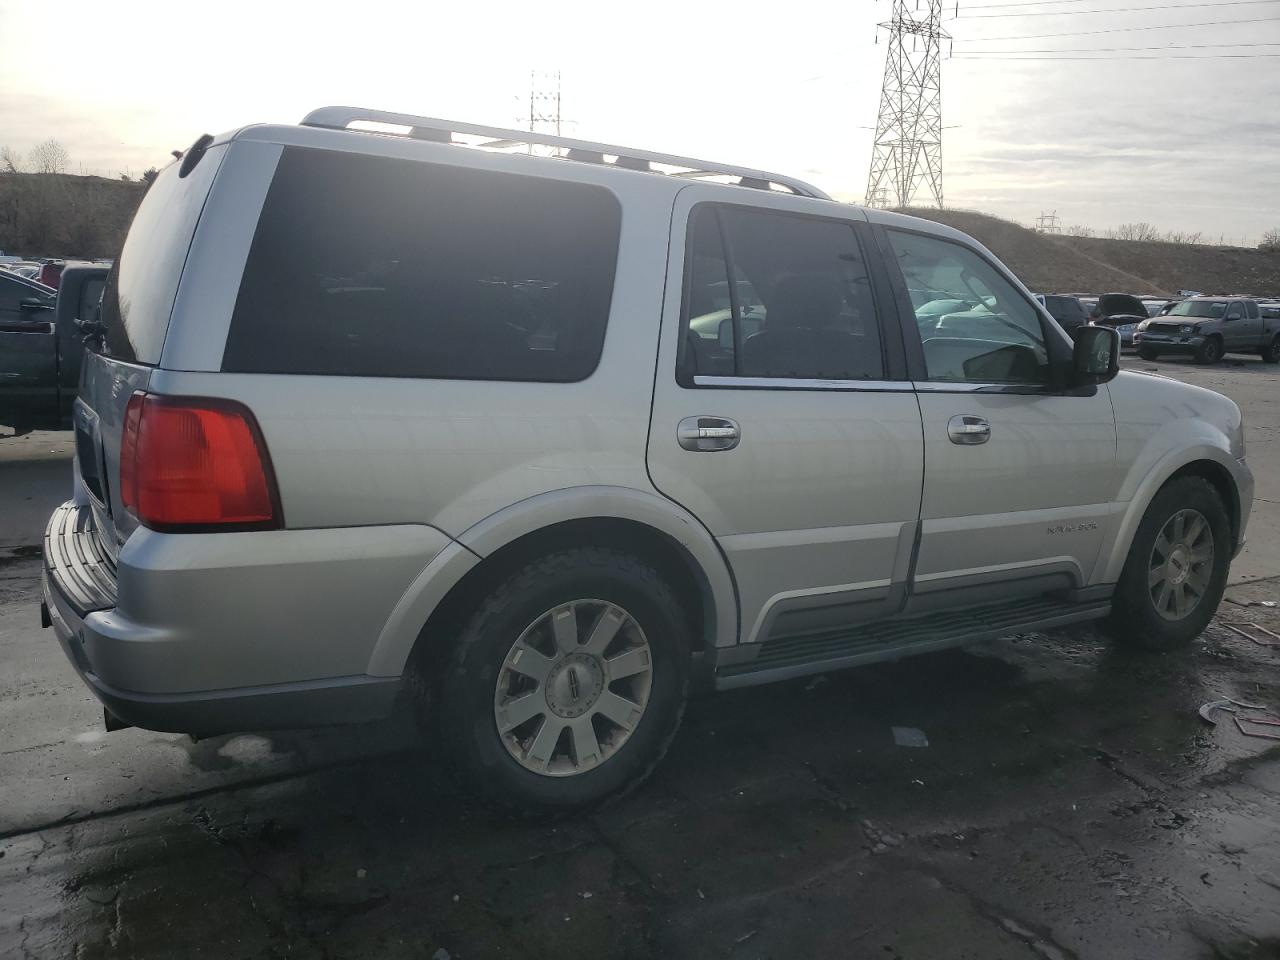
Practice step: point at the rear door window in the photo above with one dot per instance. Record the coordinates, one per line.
(777, 296)
(1251, 310)
(368, 266)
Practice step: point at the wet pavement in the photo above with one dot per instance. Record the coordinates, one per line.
(1070, 803)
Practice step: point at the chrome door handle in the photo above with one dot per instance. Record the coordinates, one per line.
(966, 429)
(708, 434)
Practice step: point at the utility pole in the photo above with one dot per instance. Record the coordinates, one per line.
(908, 148)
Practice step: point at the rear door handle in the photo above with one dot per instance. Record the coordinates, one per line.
(708, 434)
(966, 429)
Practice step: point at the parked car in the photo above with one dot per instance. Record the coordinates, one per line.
(1153, 307)
(378, 415)
(42, 344)
(1121, 311)
(1067, 311)
(1208, 327)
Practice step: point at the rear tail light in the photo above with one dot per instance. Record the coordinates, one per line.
(192, 463)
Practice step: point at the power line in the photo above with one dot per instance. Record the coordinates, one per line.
(1176, 46)
(1089, 33)
(1082, 13)
(1021, 3)
(1176, 56)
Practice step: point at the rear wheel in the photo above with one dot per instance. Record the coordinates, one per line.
(1210, 351)
(1176, 570)
(1147, 353)
(1271, 352)
(568, 683)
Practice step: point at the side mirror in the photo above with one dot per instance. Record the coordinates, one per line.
(1095, 357)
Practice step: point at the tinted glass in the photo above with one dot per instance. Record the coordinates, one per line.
(14, 289)
(11, 291)
(1251, 310)
(366, 266)
(799, 305)
(1235, 312)
(985, 332)
(144, 279)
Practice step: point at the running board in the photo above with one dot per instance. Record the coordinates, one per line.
(788, 657)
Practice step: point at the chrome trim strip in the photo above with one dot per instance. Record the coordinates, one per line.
(786, 383)
(959, 386)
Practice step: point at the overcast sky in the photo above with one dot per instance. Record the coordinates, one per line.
(1187, 144)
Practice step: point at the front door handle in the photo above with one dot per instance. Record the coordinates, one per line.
(966, 429)
(708, 434)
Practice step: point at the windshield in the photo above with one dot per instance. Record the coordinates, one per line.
(1199, 308)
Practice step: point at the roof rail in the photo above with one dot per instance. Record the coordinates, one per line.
(501, 139)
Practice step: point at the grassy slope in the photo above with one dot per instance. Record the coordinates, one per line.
(1088, 265)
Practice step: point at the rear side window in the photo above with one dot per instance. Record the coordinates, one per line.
(798, 306)
(1251, 310)
(144, 279)
(367, 266)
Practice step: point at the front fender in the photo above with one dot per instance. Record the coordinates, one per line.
(1151, 472)
(394, 645)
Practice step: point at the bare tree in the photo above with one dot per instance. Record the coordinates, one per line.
(1135, 231)
(10, 160)
(1184, 236)
(1271, 241)
(1079, 230)
(50, 157)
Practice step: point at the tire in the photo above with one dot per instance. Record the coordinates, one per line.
(1271, 352)
(1146, 353)
(1210, 351)
(481, 687)
(1136, 619)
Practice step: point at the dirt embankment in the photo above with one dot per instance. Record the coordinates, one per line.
(1056, 264)
(60, 215)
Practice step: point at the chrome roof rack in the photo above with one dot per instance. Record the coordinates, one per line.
(568, 148)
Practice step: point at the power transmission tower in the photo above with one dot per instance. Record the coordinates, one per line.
(908, 146)
(1048, 222)
(544, 102)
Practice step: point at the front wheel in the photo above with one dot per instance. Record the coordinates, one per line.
(1176, 571)
(1271, 352)
(1210, 351)
(568, 683)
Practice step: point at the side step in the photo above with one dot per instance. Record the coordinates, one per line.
(890, 639)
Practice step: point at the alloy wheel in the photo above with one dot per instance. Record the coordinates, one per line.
(573, 687)
(1181, 564)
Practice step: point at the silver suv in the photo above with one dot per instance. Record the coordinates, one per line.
(543, 433)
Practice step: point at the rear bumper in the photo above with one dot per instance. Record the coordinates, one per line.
(219, 633)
